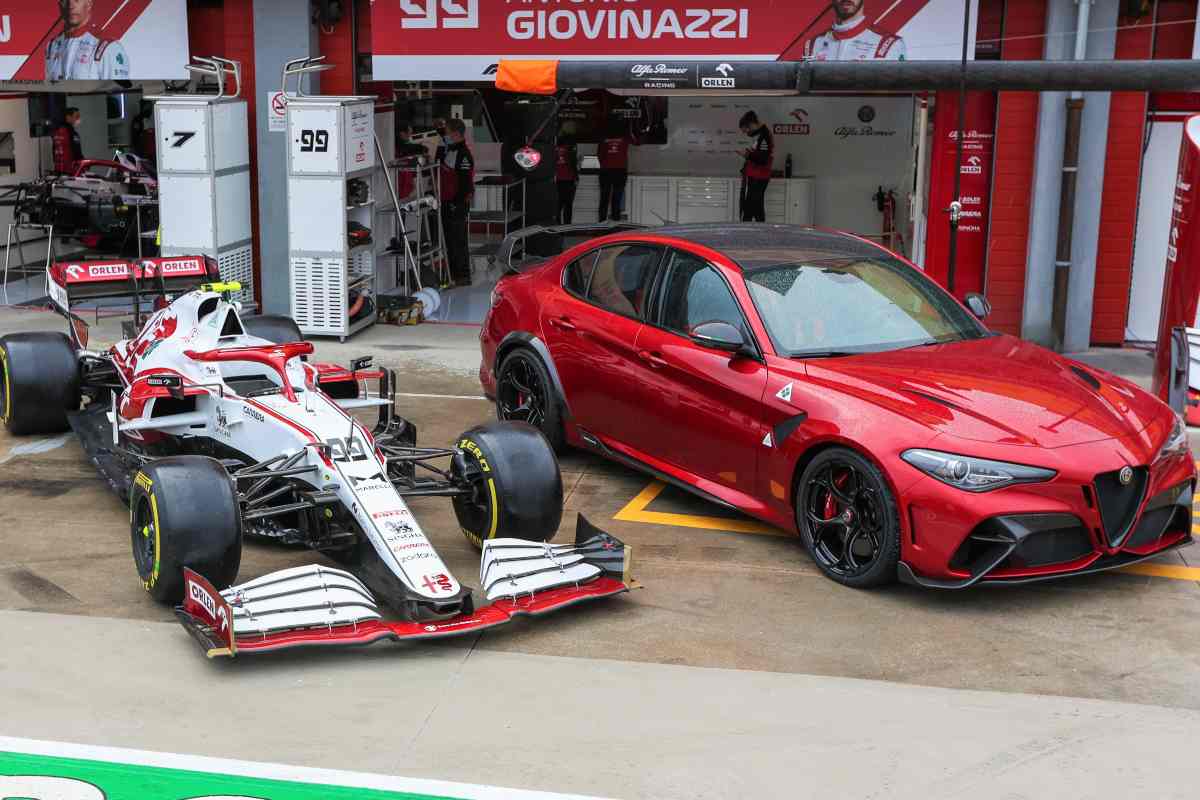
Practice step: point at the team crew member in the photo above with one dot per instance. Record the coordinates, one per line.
(614, 172)
(756, 172)
(851, 39)
(566, 174)
(79, 52)
(458, 188)
(67, 150)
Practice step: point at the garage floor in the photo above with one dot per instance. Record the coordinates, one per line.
(718, 590)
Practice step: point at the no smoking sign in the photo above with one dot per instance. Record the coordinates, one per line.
(276, 112)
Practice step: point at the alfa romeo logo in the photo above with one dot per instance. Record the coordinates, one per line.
(1125, 475)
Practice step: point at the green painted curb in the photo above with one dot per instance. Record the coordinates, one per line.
(105, 780)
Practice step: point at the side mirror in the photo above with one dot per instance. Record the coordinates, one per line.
(979, 305)
(718, 336)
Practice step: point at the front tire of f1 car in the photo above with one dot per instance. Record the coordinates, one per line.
(516, 487)
(184, 513)
(848, 519)
(39, 382)
(525, 393)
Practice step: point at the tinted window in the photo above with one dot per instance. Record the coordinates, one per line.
(855, 305)
(575, 278)
(696, 293)
(621, 278)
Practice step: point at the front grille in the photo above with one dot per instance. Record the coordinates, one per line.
(1056, 546)
(1119, 502)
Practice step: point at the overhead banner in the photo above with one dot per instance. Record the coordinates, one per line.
(465, 39)
(94, 40)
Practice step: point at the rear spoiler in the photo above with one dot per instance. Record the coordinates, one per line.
(69, 282)
(529, 246)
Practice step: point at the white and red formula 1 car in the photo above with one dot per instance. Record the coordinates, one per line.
(214, 427)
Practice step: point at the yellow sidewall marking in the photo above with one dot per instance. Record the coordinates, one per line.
(7, 410)
(635, 511)
(495, 509)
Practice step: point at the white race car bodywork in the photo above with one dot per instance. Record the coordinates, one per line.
(309, 425)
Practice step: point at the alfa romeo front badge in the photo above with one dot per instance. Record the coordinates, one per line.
(1125, 475)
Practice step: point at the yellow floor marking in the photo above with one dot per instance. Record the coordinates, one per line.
(635, 511)
(1178, 572)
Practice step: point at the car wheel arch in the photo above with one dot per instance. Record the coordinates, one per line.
(524, 340)
(816, 448)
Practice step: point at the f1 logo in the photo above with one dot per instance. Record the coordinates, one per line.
(423, 14)
(181, 137)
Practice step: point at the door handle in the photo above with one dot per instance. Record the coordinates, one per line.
(653, 359)
(563, 323)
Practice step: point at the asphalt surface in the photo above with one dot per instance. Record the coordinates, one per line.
(730, 664)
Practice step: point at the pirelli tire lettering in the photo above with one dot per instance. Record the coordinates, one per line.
(515, 485)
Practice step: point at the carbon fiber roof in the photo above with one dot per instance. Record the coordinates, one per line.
(752, 245)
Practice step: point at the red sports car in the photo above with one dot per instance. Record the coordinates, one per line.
(823, 384)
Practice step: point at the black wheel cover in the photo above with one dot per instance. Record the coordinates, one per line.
(840, 507)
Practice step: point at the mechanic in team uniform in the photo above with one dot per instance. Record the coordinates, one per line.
(67, 150)
(566, 175)
(756, 171)
(614, 171)
(458, 188)
(80, 52)
(851, 39)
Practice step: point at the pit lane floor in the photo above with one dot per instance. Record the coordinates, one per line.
(627, 695)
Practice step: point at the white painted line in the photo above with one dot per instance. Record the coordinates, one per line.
(35, 447)
(278, 772)
(443, 396)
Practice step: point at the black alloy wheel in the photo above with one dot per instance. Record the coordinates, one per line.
(848, 519)
(524, 394)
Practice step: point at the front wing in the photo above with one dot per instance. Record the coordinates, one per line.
(319, 606)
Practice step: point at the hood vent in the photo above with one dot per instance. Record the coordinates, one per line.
(1087, 377)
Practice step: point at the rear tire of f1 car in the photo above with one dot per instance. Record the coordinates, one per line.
(516, 485)
(525, 393)
(848, 519)
(184, 513)
(39, 382)
(275, 328)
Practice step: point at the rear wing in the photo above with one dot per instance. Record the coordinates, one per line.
(527, 247)
(70, 282)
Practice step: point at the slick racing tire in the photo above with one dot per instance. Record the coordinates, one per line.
(184, 512)
(525, 393)
(848, 519)
(516, 488)
(275, 328)
(39, 382)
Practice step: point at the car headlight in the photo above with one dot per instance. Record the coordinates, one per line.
(974, 474)
(1176, 443)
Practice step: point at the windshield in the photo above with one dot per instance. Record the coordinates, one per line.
(840, 306)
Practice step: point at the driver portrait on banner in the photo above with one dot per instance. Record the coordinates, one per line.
(850, 38)
(80, 52)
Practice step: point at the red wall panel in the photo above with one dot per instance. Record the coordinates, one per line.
(1012, 181)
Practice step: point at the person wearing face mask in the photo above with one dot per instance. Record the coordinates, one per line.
(457, 169)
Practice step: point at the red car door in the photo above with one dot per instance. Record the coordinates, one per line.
(704, 407)
(592, 329)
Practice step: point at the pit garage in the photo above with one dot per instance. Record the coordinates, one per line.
(732, 666)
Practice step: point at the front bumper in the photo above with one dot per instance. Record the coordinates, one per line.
(1081, 522)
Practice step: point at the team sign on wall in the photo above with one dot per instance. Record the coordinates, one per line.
(464, 39)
